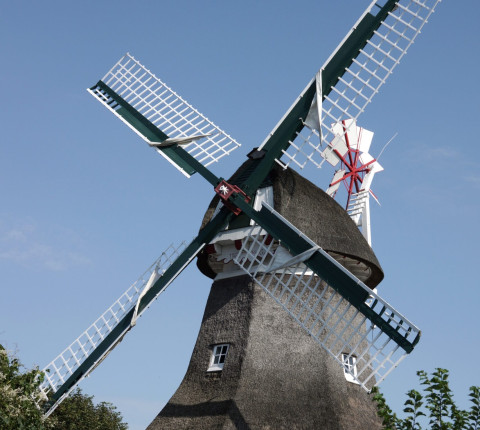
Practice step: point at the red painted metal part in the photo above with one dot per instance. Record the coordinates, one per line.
(210, 248)
(225, 191)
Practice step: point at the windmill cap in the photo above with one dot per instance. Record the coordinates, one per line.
(319, 216)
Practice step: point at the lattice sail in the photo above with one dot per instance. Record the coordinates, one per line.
(339, 327)
(361, 80)
(62, 367)
(157, 105)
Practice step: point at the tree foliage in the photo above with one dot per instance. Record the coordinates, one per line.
(78, 412)
(21, 403)
(19, 395)
(435, 407)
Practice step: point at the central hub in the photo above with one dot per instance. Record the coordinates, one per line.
(225, 191)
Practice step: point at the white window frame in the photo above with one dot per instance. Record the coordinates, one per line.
(218, 357)
(349, 362)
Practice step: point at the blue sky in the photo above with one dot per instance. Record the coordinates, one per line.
(87, 206)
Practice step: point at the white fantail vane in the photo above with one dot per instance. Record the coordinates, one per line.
(349, 150)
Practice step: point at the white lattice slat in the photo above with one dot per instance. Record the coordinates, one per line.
(63, 366)
(332, 321)
(165, 109)
(362, 79)
(357, 205)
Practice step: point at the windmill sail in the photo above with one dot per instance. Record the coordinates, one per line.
(92, 346)
(341, 314)
(159, 115)
(350, 79)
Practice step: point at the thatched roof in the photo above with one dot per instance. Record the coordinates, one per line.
(320, 217)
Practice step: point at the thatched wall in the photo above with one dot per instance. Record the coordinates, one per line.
(275, 376)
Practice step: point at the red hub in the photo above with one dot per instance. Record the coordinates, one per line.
(225, 191)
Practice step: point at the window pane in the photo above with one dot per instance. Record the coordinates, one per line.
(217, 359)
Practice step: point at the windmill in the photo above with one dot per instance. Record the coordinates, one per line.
(361, 333)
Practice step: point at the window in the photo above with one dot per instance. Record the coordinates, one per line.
(219, 353)
(349, 367)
